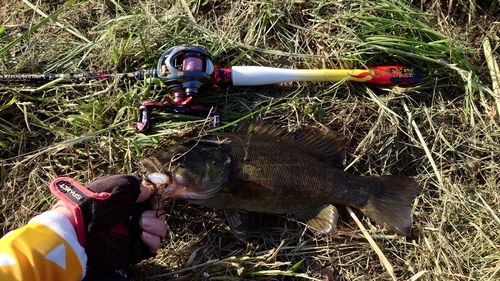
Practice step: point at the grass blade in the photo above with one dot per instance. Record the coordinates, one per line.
(66, 5)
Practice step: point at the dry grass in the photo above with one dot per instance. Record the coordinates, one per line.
(444, 131)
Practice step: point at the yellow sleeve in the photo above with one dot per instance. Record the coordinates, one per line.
(46, 248)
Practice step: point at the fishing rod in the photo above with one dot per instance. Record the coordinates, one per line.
(185, 69)
(140, 75)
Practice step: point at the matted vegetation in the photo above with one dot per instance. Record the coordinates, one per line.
(443, 131)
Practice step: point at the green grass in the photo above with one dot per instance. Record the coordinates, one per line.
(443, 131)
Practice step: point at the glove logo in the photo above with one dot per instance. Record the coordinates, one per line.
(71, 192)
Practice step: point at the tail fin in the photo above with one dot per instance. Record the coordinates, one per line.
(390, 204)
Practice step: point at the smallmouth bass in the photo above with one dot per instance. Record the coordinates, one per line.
(263, 168)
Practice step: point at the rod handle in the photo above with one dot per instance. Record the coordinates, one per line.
(379, 75)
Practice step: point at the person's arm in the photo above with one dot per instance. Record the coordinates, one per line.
(46, 248)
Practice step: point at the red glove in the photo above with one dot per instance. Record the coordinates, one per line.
(107, 219)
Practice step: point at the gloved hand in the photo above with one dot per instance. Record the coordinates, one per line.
(106, 219)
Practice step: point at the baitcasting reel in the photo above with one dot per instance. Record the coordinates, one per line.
(184, 69)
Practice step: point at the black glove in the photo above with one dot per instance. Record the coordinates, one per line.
(107, 219)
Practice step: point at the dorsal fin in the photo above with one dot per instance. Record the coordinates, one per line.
(324, 144)
(260, 128)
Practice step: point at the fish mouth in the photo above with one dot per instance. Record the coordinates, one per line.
(170, 188)
(157, 182)
(154, 177)
(169, 184)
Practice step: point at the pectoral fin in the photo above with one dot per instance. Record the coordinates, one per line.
(237, 220)
(323, 219)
